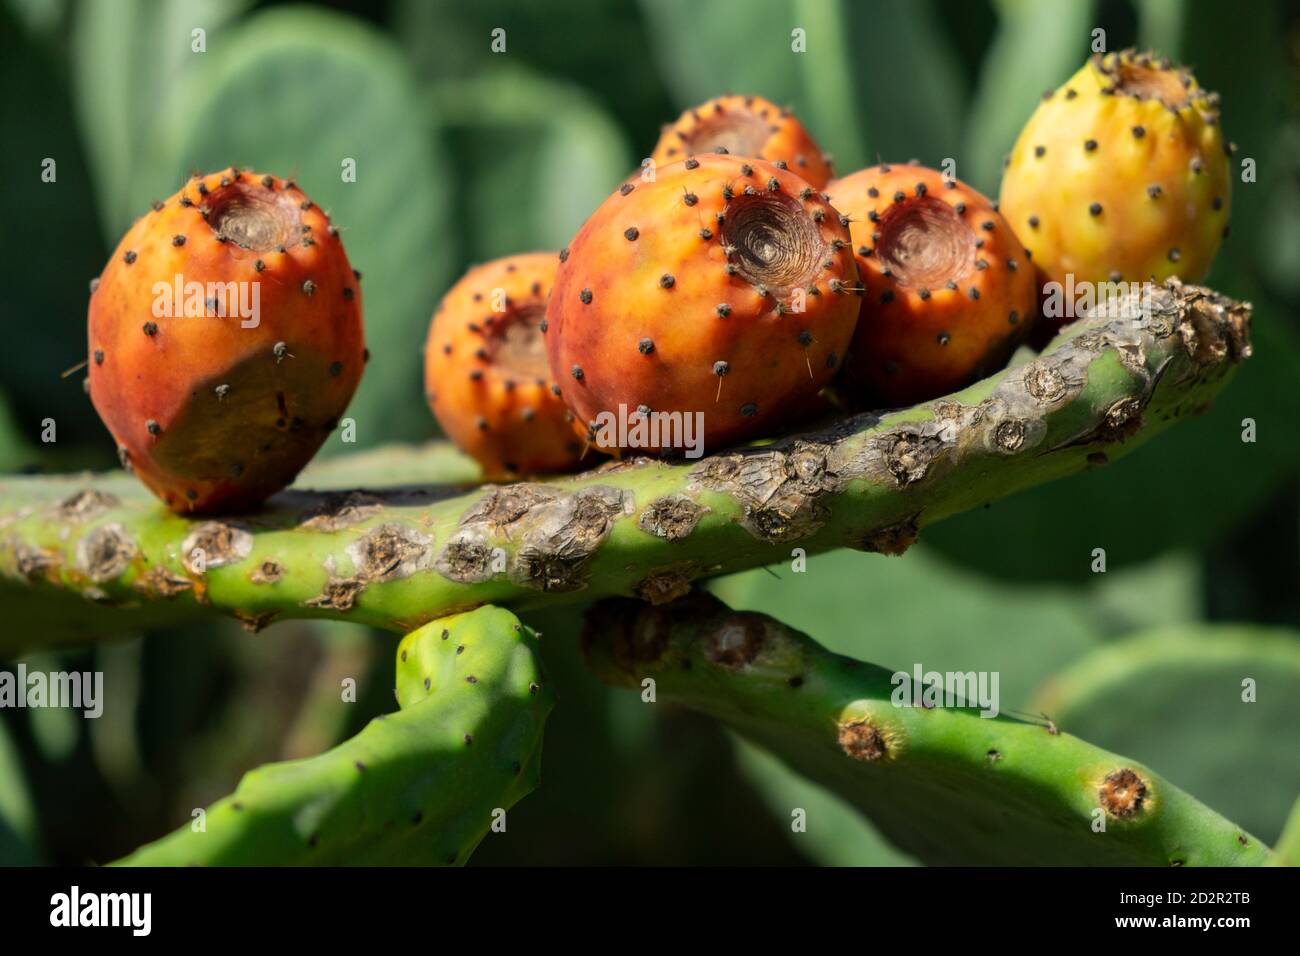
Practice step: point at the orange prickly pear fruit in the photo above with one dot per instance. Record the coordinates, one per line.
(745, 126)
(485, 370)
(225, 340)
(724, 290)
(949, 290)
(1121, 175)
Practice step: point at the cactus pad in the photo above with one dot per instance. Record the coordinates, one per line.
(420, 786)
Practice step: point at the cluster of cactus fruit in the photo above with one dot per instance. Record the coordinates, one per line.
(731, 281)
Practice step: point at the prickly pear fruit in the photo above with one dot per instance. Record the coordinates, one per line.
(949, 289)
(1121, 175)
(485, 371)
(421, 786)
(726, 287)
(225, 340)
(745, 126)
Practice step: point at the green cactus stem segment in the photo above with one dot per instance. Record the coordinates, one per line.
(943, 783)
(421, 786)
(398, 558)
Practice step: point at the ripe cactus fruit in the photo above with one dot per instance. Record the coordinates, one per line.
(225, 340)
(417, 787)
(1121, 175)
(725, 287)
(485, 371)
(949, 290)
(937, 778)
(745, 126)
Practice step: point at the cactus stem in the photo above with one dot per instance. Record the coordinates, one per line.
(872, 481)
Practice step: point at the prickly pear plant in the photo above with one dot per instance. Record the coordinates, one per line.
(644, 527)
(948, 289)
(944, 783)
(420, 786)
(485, 371)
(225, 340)
(745, 126)
(724, 288)
(1121, 174)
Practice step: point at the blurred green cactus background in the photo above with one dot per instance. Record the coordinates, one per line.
(465, 151)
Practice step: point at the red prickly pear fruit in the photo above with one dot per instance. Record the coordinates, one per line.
(745, 126)
(1121, 175)
(485, 371)
(225, 340)
(724, 287)
(949, 290)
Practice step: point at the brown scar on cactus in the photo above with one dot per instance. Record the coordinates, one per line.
(340, 510)
(672, 517)
(213, 544)
(1124, 794)
(667, 584)
(391, 552)
(863, 740)
(893, 539)
(737, 641)
(86, 505)
(268, 572)
(106, 552)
